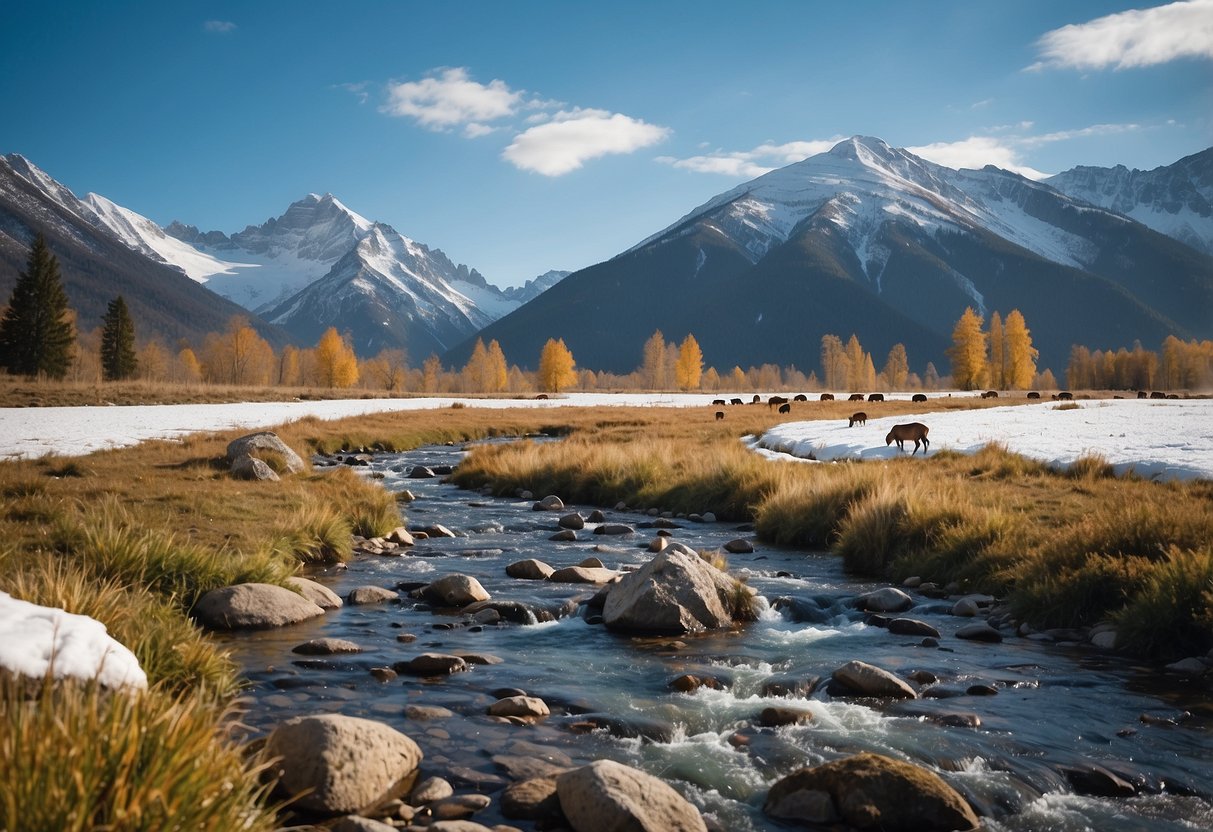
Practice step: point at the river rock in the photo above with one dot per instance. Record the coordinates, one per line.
(1091, 779)
(740, 546)
(689, 683)
(251, 468)
(777, 715)
(583, 575)
(564, 536)
(888, 599)
(266, 441)
(1191, 666)
(571, 521)
(979, 631)
(532, 799)
(366, 595)
(458, 807)
(673, 593)
(429, 790)
(527, 707)
(357, 823)
(965, 607)
(462, 826)
(420, 472)
(786, 684)
(870, 791)
(614, 529)
(423, 712)
(326, 647)
(912, 627)
(317, 593)
(657, 544)
(253, 607)
(455, 591)
(549, 503)
(431, 664)
(400, 535)
(868, 680)
(340, 764)
(606, 795)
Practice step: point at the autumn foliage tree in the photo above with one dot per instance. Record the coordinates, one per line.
(689, 368)
(238, 355)
(896, 368)
(1019, 356)
(833, 362)
(968, 352)
(557, 369)
(653, 366)
(335, 362)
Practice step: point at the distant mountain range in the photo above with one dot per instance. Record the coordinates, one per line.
(318, 265)
(875, 241)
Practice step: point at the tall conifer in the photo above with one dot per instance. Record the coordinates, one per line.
(36, 333)
(118, 360)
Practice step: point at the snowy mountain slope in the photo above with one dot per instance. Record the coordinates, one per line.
(534, 287)
(1175, 199)
(871, 239)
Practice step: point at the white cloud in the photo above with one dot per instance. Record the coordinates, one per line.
(977, 152)
(219, 26)
(475, 130)
(1136, 38)
(748, 164)
(451, 98)
(573, 137)
(358, 90)
(1081, 133)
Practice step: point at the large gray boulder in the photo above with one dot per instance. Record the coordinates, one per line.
(455, 591)
(606, 796)
(869, 680)
(259, 444)
(253, 607)
(674, 593)
(317, 593)
(341, 764)
(251, 468)
(870, 791)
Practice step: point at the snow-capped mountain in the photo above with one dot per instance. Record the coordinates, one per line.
(105, 251)
(1176, 199)
(874, 240)
(535, 287)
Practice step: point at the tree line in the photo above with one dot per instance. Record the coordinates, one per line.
(38, 338)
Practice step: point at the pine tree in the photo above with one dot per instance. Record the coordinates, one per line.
(118, 360)
(36, 334)
(690, 364)
(968, 352)
(557, 369)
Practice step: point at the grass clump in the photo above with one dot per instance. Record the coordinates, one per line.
(77, 758)
(317, 534)
(1080, 593)
(1172, 612)
(811, 512)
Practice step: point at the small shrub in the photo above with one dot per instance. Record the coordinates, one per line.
(1067, 406)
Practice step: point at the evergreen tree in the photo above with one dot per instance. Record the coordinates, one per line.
(118, 360)
(36, 333)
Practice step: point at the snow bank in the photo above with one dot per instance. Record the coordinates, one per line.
(33, 638)
(1158, 439)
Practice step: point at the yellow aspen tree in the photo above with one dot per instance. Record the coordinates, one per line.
(897, 367)
(557, 369)
(737, 379)
(998, 367)
(153, 361)
(1019, 356)
(290, 367)
(711, 379)
(1045, 380)
(1080, 372)
(855, 367)
(336, 364)
(833, 361)
(653, 365)
(499, 371)
(690, 364)
(189, 369)
(430, 370)
(1172, 369)
(968, 352)
(869, 371)
(476, 371)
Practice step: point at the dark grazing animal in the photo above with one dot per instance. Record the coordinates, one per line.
(719, 415)
(919, 397)
(757, 399)
(990, 394)
(855, 397)
(1032, 394)
(718, 402)
(859, 418)
(827, 397)
(800, 397)
(785, 408)
(876, 397)
(774, 400)
(904, 433)
(1157, 394)
(1141, 394)
(542, 396)
(1063, 396)
(735, 401)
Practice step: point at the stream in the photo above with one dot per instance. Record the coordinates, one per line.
(1042, 707)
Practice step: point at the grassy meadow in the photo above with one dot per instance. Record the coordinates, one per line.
(133, 536)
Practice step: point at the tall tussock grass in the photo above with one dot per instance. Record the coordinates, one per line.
(77, 758)
(1171, 614)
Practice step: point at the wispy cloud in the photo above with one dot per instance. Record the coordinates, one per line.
(219, 26)
(548, 136)
(573, 137)
(1006, 149)
(358, 90)
(750, 163)
(1136, 38)
(450, 98)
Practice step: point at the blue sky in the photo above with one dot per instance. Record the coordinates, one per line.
(524, 136)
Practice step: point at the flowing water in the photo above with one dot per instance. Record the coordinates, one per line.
(1044, 707)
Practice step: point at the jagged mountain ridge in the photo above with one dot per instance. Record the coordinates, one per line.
(872, 240)
(1175, 199)
(97, 265)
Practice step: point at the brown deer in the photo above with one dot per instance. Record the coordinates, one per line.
(827, 397)
(785, 408)
(859, 418)
(904, 433)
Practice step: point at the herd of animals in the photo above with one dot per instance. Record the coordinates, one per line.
(915, 432)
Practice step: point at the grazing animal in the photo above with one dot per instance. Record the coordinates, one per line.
(800, 397)
(774, 400)
(859, 418)
(757, 399)
(855, 397)
(1065, 397)
(990, 394)
(1141, 394)
(719, 415)
(919, 397)
(904, 433)
(785, 408)
(1032, 394)
(1158, 394)
(718, 402)
(876, 397)
(735, 401)
(827, 397)
(542, 396)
